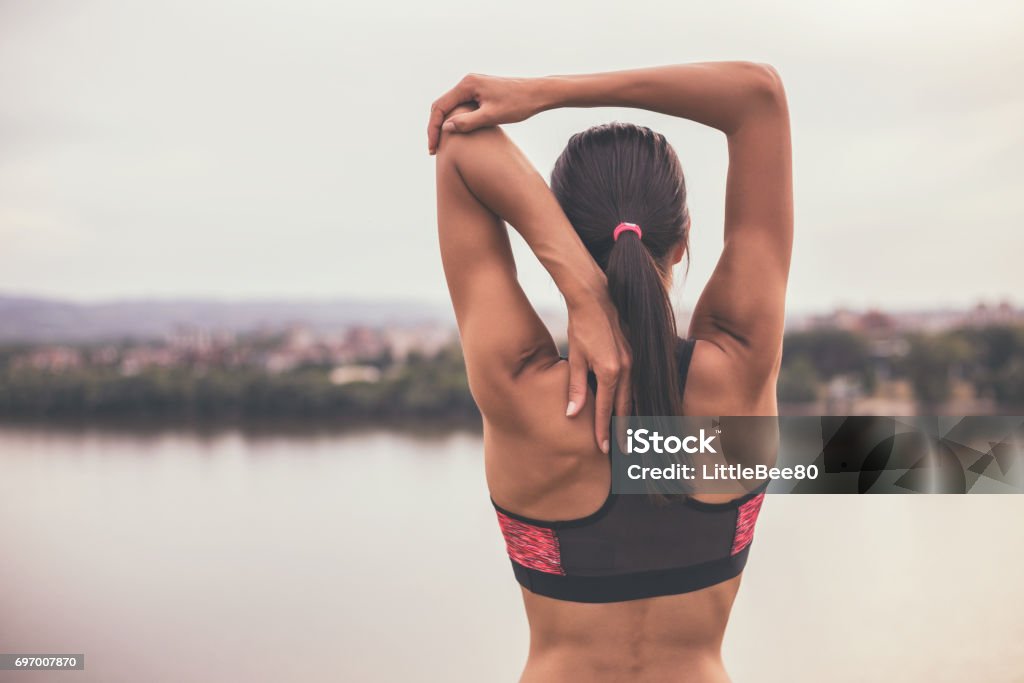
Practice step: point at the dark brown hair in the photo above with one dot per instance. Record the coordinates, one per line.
(616, 173)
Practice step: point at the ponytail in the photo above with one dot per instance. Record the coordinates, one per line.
(637, 289)
(622, 172)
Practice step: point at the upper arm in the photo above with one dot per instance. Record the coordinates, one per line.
(502, 336)
(742, 309)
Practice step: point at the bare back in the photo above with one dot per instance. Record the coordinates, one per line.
(556, 472)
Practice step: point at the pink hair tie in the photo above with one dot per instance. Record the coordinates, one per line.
(623, 227)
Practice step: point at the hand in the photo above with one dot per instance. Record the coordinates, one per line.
(498, 100)
(596, 342)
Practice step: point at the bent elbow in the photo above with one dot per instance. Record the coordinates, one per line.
(767, 84)
(473, 134)
(763, 96)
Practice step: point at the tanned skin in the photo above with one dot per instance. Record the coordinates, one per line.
(541, 462)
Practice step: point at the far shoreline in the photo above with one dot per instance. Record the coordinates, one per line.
(422, 426)
(270, 427)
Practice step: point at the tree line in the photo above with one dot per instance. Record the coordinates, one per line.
(990, 359)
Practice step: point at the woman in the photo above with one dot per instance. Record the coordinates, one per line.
(616, 588)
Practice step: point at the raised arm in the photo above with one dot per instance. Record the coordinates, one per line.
(484, 180)
(742, 308)
(741, 311)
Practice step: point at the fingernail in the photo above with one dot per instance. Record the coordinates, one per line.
(571, 410)
(604, 446)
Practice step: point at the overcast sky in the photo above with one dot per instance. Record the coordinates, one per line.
(249, 149)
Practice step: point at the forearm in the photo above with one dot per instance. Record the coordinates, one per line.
(504, 181)
(723, 95)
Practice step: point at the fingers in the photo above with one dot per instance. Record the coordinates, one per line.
(577, 384)
(623, 402)
(464, 123)
(463, 92)
(606, 388)
(438, 110)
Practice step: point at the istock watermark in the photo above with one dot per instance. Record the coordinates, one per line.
(651, 441)
(823, 454)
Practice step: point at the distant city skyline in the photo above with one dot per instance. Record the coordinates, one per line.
(168, 363)
(242, 151)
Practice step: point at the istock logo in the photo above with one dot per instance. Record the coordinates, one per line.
(646, 441)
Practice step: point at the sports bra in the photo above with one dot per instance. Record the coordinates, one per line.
(633, 546)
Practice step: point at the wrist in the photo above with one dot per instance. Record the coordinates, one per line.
(587, 290)
(550, 92)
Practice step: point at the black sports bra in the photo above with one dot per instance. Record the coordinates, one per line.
(633, 547)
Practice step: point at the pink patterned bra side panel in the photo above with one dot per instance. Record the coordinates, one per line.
(531, 546)
(746, 518)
